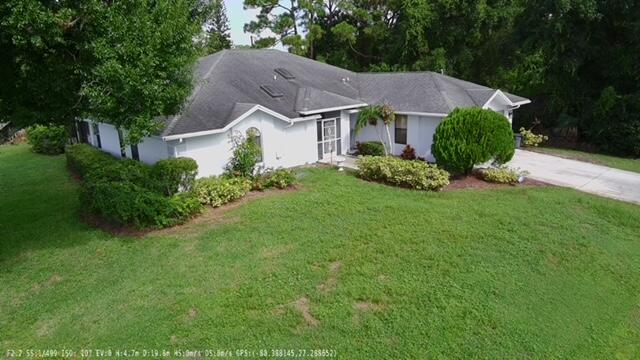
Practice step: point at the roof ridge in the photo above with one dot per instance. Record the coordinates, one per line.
(195, 92)
(436, 81)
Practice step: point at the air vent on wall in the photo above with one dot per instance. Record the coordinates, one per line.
(272, 91)
(285, 73)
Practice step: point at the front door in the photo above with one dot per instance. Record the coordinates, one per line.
(328, 138)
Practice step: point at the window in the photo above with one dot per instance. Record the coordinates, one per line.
(96, 133)
(401, 129)
(123, 154)
(253, 134)
(135, 155)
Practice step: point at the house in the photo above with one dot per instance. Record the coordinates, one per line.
(302, 110)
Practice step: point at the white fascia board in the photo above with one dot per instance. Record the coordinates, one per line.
(523, 102)
(311, 112)
(306, 118)
(498, 93)
(230, 125)
(414, 113)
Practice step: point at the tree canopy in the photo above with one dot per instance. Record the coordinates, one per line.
(576, 59)
(126, 62)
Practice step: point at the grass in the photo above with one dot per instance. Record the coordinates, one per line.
(365, 269)
(600, 159)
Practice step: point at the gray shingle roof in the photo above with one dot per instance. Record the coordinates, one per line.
(228, 84)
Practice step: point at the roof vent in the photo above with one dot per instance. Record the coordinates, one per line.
(285, 73)
(272, 91)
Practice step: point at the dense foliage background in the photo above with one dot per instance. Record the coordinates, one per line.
(576, 59)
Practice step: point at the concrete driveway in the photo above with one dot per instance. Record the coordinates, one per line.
(591, 178)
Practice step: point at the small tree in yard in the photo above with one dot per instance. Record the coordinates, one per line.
(246, 152)
(388, 115)
(370, 116)
(468, 137)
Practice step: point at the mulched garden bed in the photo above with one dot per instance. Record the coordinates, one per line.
(473, 182)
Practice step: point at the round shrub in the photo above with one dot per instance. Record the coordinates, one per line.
(49, 140)
(370, 148)
(468, 137)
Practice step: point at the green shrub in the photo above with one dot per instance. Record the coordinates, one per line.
(468, 137)
(246, 153)
(531, 139)
(413, 174)
(49, 140)
(129, 204)
(217, 191)
(175, 175)
(370, 148)
(128, 192)
(83, 159)
(502, 175)
(281, 179)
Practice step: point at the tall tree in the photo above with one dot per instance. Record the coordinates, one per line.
(292, 23)
(217, 28)
(126, 62)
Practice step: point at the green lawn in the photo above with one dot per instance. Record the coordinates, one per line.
(367, 270)
(606, 160)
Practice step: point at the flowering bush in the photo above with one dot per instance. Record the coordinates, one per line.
(531, 139)
(502, 175)
(410, 174)
(217, 191)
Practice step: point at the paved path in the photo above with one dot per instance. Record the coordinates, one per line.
(583, 176)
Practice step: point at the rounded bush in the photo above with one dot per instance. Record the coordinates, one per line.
(468, 137)
(49, 140)
(175, 175)
(370, 148)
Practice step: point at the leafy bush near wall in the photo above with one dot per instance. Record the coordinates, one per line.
(217, 191)
(502, 175)
(246, 152)
(175, 175)
(370, 148)
(280, 178)
(128, 192)
(408, 153)
(49, 140)
(413, 174)
(468, 137)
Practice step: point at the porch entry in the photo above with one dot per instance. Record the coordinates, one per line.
(329, 136)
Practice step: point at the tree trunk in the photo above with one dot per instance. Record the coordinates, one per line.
(389, 137)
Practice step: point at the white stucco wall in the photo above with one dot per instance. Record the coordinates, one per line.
(283, 145)
(150, 149)
(420, 130)
(109, 139)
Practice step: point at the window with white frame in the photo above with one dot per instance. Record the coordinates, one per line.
(401, 129)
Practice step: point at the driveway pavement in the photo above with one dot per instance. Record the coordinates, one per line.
(583, 176)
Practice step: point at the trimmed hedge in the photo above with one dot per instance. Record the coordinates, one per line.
(370, 148)
(468, 137)
(49, 140)
(412, 174)
(175, 175)
(217, 191)
(128, 192)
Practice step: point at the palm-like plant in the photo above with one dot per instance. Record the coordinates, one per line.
(388, 115)
(370, 116)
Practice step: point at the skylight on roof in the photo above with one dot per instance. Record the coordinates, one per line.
(272, 91)
(285, 73)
